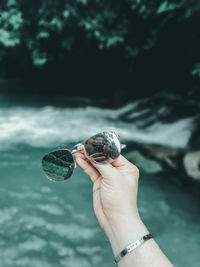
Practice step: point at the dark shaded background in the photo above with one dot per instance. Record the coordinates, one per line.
(121, 50)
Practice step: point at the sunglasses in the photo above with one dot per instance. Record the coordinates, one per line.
(101, 148)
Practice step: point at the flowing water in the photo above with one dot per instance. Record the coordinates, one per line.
(44, 223)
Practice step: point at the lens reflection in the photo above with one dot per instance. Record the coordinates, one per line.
(58, 165)
(103, 147)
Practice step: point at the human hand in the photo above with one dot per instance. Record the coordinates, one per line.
(115, 189)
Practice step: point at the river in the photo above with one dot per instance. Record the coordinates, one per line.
(44, 223)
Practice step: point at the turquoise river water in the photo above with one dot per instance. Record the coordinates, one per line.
(48, 224)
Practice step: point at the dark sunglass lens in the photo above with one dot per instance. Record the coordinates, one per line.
(58, 165)
(103, 147)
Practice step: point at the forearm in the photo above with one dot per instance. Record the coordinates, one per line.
(126, 230)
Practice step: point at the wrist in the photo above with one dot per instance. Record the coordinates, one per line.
(124, 231)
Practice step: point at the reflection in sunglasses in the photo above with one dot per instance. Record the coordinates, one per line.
(102, 148)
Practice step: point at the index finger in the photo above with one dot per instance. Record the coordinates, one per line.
(87, 168)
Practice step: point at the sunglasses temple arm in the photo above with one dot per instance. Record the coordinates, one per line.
(123, 146)
(80, 146)
(75, 148)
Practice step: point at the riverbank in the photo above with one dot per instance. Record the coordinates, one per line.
(161, 132)
(153, 159)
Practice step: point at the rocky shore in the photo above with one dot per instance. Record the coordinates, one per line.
(150, 158)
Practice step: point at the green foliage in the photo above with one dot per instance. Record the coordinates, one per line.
(196, 70)
(10, 25)
(166, 6)
(45, 30)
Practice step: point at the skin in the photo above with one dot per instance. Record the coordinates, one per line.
(115, 188)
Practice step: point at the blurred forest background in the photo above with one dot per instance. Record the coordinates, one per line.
(118, 49)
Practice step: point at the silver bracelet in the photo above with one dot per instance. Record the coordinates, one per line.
(131, 247)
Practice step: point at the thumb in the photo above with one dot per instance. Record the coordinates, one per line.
(107, 171)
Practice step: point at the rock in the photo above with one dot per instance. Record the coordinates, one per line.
(144, 164)
(151, 158)
(162, 154)
(191, 162)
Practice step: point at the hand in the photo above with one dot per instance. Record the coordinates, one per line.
(115, 189)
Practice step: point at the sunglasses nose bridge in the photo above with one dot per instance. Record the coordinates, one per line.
(123, 146)
(77, 148)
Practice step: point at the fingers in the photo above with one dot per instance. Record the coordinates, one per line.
(94, 170)
(122, 163)
(80, 154)
(88, 168)
(106, 170)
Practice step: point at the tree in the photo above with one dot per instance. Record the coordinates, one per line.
(37, 34)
